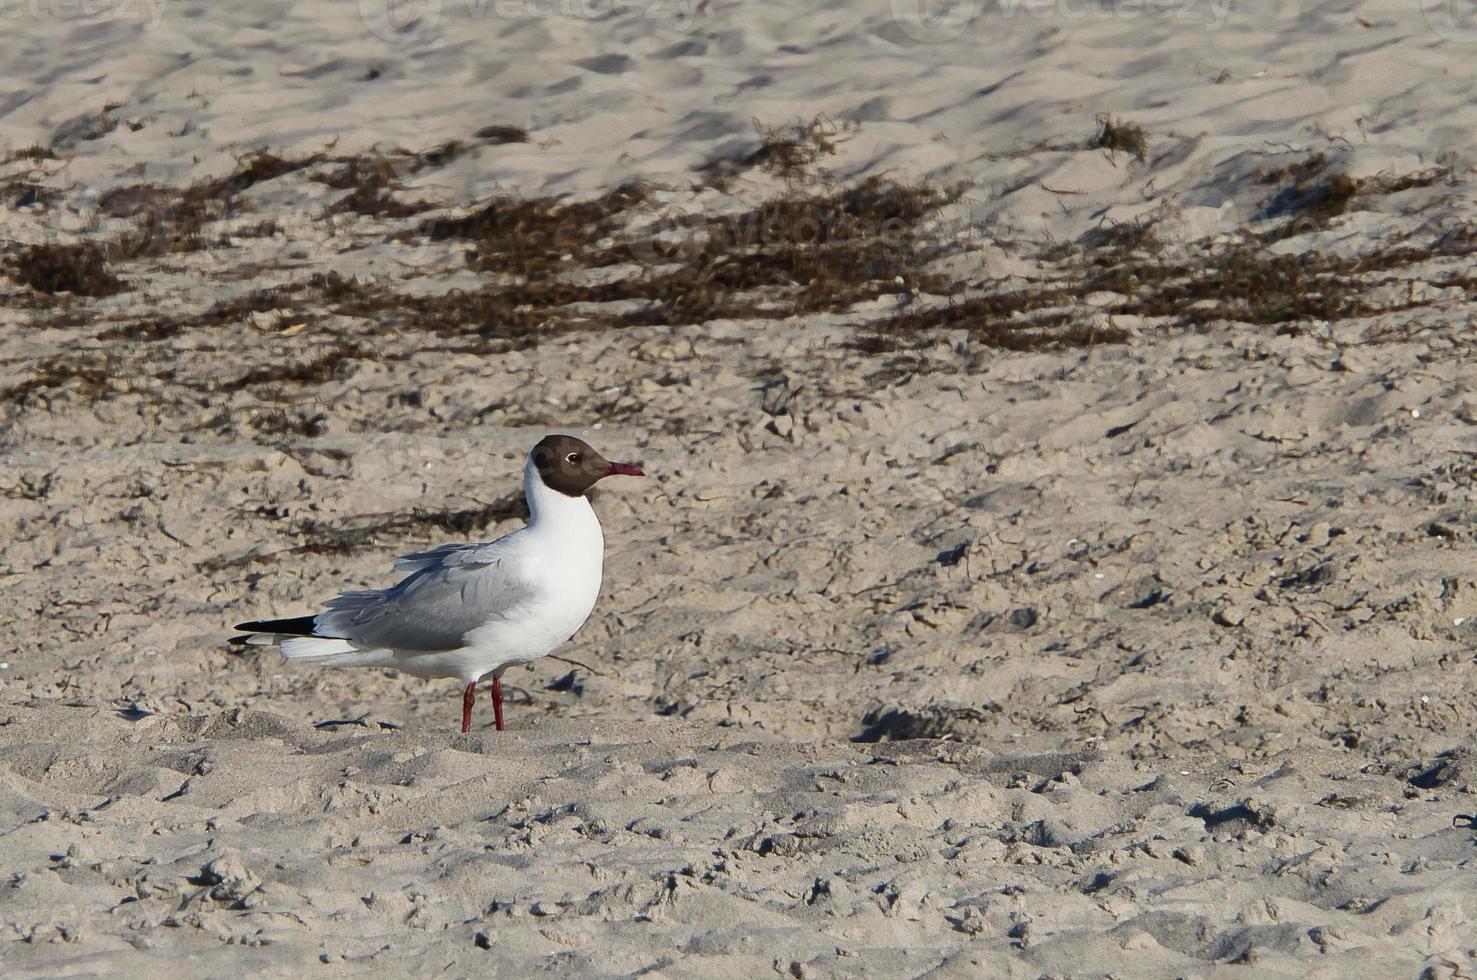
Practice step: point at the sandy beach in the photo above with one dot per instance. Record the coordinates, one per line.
(1057, 558)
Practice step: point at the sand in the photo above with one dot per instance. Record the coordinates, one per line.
(922, 652)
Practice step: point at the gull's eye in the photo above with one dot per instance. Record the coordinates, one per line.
(572, 458)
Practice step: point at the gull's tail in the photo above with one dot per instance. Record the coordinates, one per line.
(298, 641)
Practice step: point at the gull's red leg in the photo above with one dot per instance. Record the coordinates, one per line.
(467, 701)
(497, 701)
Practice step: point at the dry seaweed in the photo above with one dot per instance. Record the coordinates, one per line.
(788, 152)
(175, 221)
(560, 265)
(321, 538)
(1309, 197)
(1244, 283)
(334, 363)
(33, 152)
(92, 375)
(228, 311)
(532, 236)
(1117, 136)
(79, 269)
(251, 170)
(370, 181)
(796, 254)
(502, 134)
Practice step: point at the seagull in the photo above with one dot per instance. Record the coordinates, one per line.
(470, 610)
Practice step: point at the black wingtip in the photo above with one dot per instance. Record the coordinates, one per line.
(297, 626)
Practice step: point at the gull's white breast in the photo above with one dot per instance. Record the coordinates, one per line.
(563, 572)
(556, 562)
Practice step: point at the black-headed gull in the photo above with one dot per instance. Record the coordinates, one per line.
(470, 610)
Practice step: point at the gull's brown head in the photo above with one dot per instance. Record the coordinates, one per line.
(571, 466)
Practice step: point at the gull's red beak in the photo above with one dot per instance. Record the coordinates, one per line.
(624, 469)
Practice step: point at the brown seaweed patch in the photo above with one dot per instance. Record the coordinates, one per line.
(1310, 197)
(254, 169)
(1120, 236)
(33, 152)
(171, 221)
(334, 363)
(497, 319)
(91, 376)
(80, 269)
(370, 181)
(165, 222)
(329, 286)
(800, 253)
(1242, 283)
(322, 538)
(796, 254)
(1118, 136)
(496, 135)
(788, 152)
(538, 236)
(1007, 320)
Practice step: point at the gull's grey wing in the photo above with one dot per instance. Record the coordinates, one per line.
(415, 561)
(451, 591)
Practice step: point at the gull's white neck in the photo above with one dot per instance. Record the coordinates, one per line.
(550, 511)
